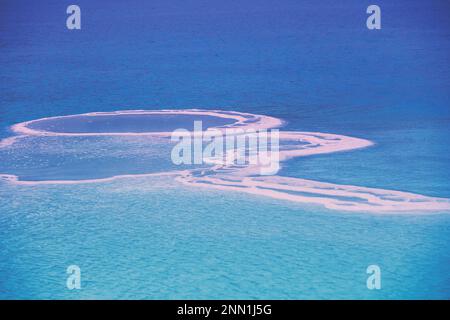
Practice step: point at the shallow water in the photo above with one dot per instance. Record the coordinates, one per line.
(152, 239)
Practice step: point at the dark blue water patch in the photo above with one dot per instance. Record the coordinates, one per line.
(127, 123)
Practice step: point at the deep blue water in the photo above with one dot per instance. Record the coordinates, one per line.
(127, 123)
(314, 64)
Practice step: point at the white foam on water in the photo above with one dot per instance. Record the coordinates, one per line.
(242, 120)
(229, 177)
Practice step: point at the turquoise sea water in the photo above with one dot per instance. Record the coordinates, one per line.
(313, 64)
